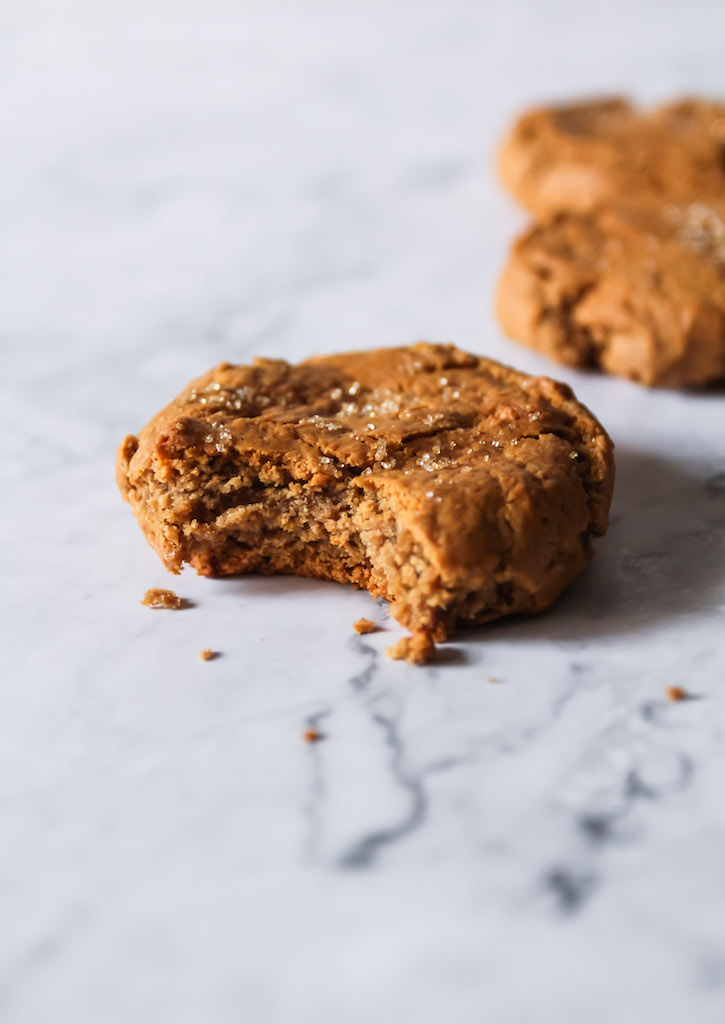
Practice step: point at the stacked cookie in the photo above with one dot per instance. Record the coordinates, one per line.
(625, 268)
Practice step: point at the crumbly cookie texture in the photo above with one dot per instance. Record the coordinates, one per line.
(577, 156)
(157, 597)
(452, 486)
(418, 649)
(677, 693)
(635, 289)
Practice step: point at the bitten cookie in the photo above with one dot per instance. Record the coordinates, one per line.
(452, 486)
(636, 290)
(577, 156)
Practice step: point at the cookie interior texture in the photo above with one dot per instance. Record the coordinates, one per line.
(452, 486)
(577, 156)
(636, 290)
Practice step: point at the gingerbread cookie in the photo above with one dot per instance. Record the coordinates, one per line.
(575, 157)
(452, 486)
(636, 290)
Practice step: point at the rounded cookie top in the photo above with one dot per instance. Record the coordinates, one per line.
(576, 156)
(449, 484)
(636, 289)
(417, 419)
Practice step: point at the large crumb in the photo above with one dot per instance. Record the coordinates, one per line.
(418, 649)
(208, 655)
(363, 626)
(675, 693)
(156, 597)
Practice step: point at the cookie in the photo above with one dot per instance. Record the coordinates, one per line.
(577, 156)
(452, 486)
(636, 290)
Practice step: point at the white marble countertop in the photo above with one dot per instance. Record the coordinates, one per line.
(186, 182)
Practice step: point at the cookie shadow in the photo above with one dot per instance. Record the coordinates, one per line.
(270, 587)
(662, 558)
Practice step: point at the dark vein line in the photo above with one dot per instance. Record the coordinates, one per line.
(365, 851)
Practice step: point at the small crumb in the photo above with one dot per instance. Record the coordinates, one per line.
(677, 693)
(418, 649)
(312, 736)
(208, 654)
(156, 597)
(363, 626)
(493, 679)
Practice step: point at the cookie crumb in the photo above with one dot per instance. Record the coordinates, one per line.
(157, 597)
(418, 649)
(363, 626)
(675, 693)
(493, 679)
(312, 736)
(208, 655)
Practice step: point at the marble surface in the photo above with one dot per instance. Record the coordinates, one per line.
(189, 182)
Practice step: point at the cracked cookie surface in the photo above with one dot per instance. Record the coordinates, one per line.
(634, 289)
(452, 486)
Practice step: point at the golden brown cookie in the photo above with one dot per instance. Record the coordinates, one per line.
(636, 290)
(578, 156)
(451, 485)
